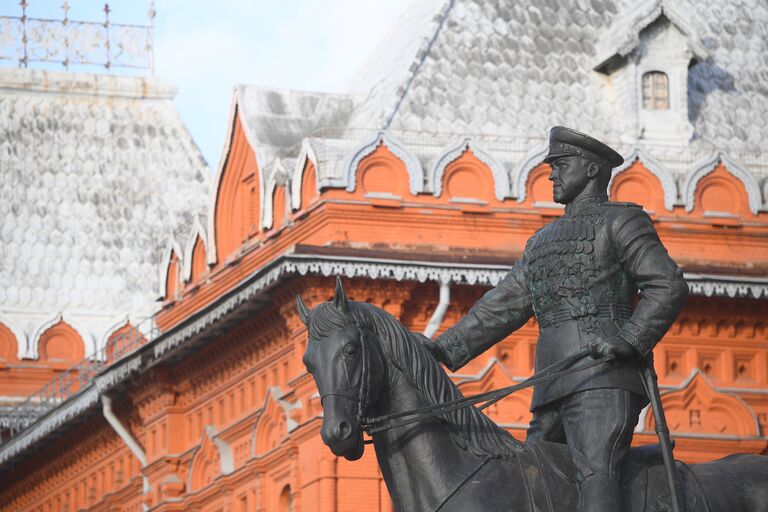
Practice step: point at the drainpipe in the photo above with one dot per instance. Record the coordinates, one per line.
(442, 307)
(128, 439)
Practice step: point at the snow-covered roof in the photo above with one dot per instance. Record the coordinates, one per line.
(503, 72)
(96, 173)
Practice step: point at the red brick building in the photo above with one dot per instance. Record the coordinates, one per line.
(420, 187)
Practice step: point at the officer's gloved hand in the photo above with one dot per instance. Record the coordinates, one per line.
(612, 345)
(433, 348)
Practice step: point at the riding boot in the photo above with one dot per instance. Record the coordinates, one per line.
(598, 493)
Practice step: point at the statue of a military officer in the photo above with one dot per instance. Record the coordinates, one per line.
(580, 275)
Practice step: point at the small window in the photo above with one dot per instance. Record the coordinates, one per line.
(655, 91)
(286, 500)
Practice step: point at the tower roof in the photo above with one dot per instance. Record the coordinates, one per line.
(97, 170)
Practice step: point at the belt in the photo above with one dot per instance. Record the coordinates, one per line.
(565, 313)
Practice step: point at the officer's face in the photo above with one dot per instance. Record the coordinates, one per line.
(568, 177)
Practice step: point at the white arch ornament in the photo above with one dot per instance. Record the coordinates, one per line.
(453, 152)
(666, 179)
(369, 145)
(523, 170)
(89, 343)
(706, 166)
(22, 340)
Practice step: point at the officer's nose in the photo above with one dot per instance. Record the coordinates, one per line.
(553, 175)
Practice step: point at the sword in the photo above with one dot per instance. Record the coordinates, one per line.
(651, 383)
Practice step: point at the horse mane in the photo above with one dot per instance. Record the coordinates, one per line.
(469, 427)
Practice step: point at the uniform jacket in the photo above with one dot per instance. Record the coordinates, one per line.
(580, 276)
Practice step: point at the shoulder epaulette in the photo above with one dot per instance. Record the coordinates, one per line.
(623, 204)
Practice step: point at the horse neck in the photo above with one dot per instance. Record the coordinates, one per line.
(420, 462)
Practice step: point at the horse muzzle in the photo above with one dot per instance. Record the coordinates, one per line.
(342, 435)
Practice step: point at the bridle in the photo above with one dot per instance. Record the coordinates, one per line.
(366, 384)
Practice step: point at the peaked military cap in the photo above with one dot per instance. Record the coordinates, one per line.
(567, 142)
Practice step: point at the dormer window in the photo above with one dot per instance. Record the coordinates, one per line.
(655, 91)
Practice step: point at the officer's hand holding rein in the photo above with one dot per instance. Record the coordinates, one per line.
(612, 345)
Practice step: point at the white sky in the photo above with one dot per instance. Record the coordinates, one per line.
(206, 47)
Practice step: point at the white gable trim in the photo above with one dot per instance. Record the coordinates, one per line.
(278, 176)
(450, 154)
(369, 145)
(664, 176)
(171, 246)
(520, 175)
(197, 231)
(234, 111)
(706, 166)
(307, 154)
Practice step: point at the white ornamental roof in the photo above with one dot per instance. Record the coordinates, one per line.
(96, 172)
(503, 72)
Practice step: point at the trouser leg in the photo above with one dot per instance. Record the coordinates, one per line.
(546, 424)
(598, 426)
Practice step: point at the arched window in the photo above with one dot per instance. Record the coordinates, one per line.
(286, 500)
(655, 91)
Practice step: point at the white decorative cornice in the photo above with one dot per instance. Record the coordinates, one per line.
(369, 145)
(668, 185)
(39, 429)
(306, 154)
(453, 152)
(712, 285)
(84, 84)
(196, 232)
(705, 166)
(22, 341)
(520, 175)
(171, 247)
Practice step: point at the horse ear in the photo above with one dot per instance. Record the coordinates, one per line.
(303, 310)
(339, 299)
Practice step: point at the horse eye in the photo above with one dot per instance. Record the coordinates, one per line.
(350, 350)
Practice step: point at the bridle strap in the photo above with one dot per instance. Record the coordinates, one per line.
(338, 393)
(364, 391)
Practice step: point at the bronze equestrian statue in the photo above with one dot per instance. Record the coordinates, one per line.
(367, 366)
(580, 276)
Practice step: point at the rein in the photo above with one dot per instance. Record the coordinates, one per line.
(553, 371)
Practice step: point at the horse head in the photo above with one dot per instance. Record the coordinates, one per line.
(347, 365)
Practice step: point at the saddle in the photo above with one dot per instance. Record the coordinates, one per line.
(644, 485)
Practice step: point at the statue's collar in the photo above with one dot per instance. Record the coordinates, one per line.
(581, 203)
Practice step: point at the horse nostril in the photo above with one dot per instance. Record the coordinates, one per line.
(344, 430)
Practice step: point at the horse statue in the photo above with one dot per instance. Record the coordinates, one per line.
(366, 363)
